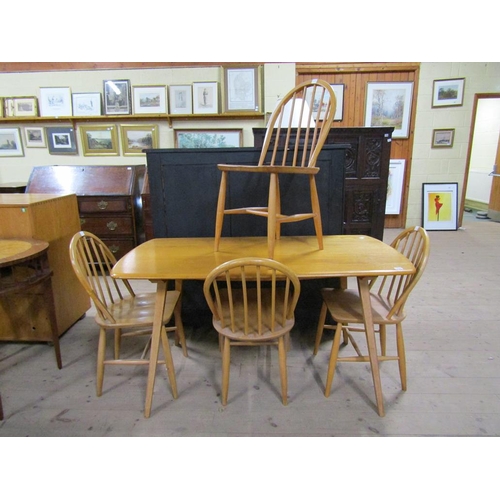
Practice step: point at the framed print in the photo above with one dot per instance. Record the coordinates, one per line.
(117, 97)
(389, 105)
(205, 97)
(395, 187)
(149, 99)
(99, 140)
(448, 93)
(136, 138)
(8, 106)
(180, 99)
(35, 137)
(439, 206)
(61, 141)
(55, 101)
(2, 109)
(209, 138)
(443, 137)
(25, 106)
(242, 89)
(87, 104)
(10, 142)
(338, 90)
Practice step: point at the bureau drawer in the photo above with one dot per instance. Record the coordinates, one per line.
(119, 247)
(107, 225)
(93, 204)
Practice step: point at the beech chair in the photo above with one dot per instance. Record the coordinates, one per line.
(119, 308)
(252, 301)
(388, 297)
(295, 135)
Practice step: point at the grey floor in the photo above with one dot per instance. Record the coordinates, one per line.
(453, 356)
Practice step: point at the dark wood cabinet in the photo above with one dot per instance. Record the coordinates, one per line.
(147, 218)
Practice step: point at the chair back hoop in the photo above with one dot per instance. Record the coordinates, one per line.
(252, 296)
(414, 244)
(92, 262)
(299, 126)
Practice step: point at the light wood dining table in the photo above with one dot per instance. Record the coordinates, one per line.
(163, 259)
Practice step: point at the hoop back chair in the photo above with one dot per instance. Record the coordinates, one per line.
(119, 308)
(388, 297)
(295, 135)
(252, 301)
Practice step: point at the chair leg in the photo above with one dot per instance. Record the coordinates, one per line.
(283, 373)
(401, 355)
(321, 326)
(271, 215)
(118, 339)
(221, 204)
(226, 358)
(316, 211)
(383, 340)
(333, 359)
(101, 354)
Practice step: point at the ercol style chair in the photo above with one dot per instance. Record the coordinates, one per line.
(388, 297)
(295, 135)
(253, 302)
(119, 308)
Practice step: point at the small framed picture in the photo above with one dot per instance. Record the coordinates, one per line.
(99, 140)
(439, 206)
(25, 106)
(338, 90)
(137, 138)
(180, 99)
(55, 101)
(395, 187)
(151, 99)
(242, 89)
(448, 93)
(87, 104)
(205, 97)
(443, 137)
(2, 109)
(117, 97)
(35, 137)
(61, 141)
(208, 138)
(8, 107)
(10, 142)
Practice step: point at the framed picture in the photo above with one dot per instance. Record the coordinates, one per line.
(338, 90)
(242, 89)
(209, 138)
(35, 137)
(443, 137)
(439, 206)
(149, 99)
(180, 99)
(99, 140)
(25, 106)
(117, 97)
(8, 107)
(61, 140)
(2, 109)
(448, 93)
(395, 187)
(55, 101)
(136, 138)
(205, 97)
(389, 105)
(87, 104)
(10, 142)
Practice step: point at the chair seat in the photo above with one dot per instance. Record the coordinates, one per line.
(270, 169)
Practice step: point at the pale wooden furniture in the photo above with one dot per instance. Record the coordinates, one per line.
(252, 302)
(119, 308)
(54, 219)
(388, 295)
(305, 128)
(362, 257)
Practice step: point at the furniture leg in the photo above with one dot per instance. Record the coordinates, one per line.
(101, 354)
(271, 215)
(221, 204)
(226, 359)
(316, 211)
(333, 359)
(283, 374)
(321, 327)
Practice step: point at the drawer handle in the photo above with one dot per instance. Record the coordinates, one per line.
(82, 222)
(111, 225)
(102, 204)
(114, 249)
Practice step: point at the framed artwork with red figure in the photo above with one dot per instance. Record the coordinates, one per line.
(440, 206)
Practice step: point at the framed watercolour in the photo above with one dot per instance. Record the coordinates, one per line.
(439, 206)
(205, 97)
(25, 106)
(338, 90)
(395, 187)
(55, 101)
(61, 141)
(10, 142)
(389, 105)
(88, 104)
(137, 138)
(117, 97)
(180, 99)
(448, 93)
(35, 137)
(149, 99)
(242, 89)
(99, 140)
(208, 138)
(443, 137)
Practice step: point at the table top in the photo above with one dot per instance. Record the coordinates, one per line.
(194, 258)
(17, 250)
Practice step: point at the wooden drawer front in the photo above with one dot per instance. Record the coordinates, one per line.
(107, 226)
(103, 204)
(119, 247)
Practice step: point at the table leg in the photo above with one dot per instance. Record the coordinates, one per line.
(364, 293)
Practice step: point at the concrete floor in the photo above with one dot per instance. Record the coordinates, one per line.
(453, 356)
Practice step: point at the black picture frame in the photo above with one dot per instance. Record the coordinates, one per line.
(61, 140)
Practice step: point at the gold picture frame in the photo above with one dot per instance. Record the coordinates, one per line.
(99, 140)
(137, 138)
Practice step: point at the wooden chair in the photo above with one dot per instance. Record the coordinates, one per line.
(295, 135)
(119, 308)
(388, 297)
(253, 303)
